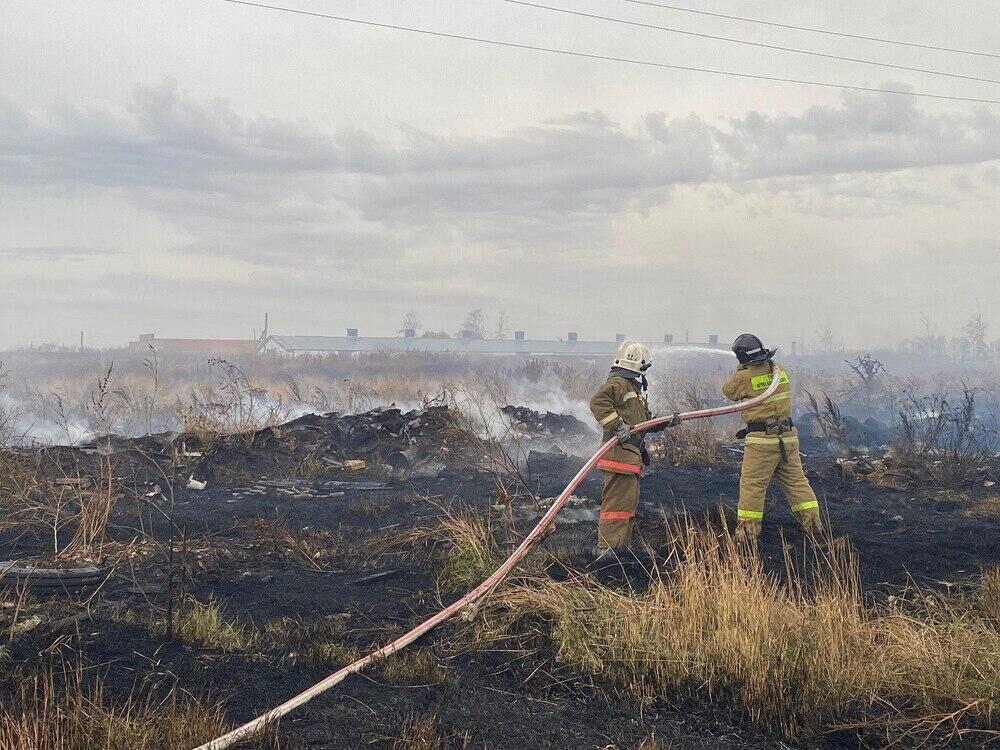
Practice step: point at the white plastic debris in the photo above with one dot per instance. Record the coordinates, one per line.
(194, 484)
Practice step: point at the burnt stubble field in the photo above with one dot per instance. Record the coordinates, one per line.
(233, 569)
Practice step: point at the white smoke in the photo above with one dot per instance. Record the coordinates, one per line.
(547, 394)
(27, 427)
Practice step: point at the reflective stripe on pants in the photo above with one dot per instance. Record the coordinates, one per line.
(618, 466)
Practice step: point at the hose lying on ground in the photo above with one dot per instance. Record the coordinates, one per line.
(255, 725)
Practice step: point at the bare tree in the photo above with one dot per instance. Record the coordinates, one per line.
(474, 325)
(975, 332)
(152, 367)
(827, 339)
(929, 344)
(410, 323)
(503, 326)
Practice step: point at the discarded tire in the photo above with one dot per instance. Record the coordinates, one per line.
(50, 581)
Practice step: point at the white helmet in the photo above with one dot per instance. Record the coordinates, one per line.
(633, 356)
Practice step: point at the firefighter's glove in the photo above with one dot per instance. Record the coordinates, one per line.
(675, 419)
(623, 432)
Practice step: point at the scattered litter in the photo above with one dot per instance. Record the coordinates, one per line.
(194, 484)
(24, 626)
(428, 470)
(150, 589)
(354, 464)
(374, 576)
(42, 581)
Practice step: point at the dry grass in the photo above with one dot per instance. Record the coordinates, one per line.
(58, 710)
(791, 660)
(989, 595)
(651, 743)
(418, 733)
(204, 624)
(312, 643)
(472, 554)
(420, 665)
(421, 732)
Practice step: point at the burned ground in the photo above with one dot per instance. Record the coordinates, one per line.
(354, 554)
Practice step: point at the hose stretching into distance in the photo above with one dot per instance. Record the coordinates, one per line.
(255, 725)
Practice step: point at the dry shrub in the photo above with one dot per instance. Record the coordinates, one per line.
(19, 487)
(830, 422)
(93, 511)
(693, 443)
(485, 439)
(792, 658)
(942, 441)
(56, 709)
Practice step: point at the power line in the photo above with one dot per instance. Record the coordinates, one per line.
(813, 30)
(732, 40)
(609, 58)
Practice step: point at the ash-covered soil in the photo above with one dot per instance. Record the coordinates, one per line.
(354, 547)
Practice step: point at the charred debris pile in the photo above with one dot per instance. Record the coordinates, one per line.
(419, 442)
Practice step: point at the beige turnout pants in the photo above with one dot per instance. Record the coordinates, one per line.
(762, 461)
(618, 504)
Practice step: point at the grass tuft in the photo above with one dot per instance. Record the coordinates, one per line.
(204, 624)
(473, 554)
(310, 643)
(420, 665)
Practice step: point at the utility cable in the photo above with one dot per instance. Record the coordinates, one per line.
(762, 45)
(813, 30)
(612, 58)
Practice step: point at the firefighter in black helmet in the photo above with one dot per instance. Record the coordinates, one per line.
(771, 442)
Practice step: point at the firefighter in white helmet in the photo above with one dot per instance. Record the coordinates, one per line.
(617, 405)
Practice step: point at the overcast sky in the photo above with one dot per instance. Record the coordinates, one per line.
(183, 166)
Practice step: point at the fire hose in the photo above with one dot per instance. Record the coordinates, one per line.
(253, 726)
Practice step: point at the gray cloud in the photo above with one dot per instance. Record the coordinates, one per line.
(576, 166)
(866, 133)
(452, 219)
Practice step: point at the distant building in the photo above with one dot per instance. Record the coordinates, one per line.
(216, 347)
(573, 346)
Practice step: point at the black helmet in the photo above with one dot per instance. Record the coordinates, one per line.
(748, 348)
